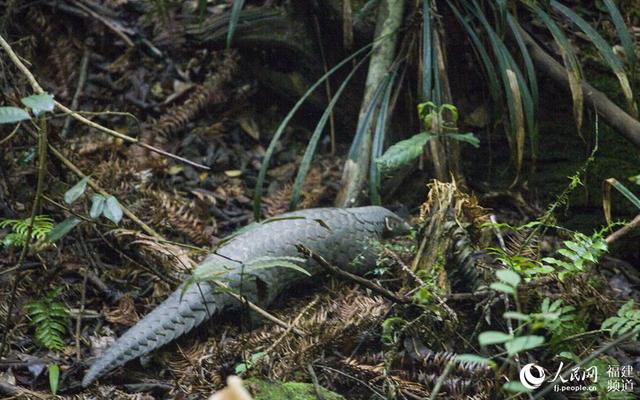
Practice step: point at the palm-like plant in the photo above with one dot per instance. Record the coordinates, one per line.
(503, 48)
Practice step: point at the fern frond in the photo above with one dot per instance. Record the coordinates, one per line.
(42, 225)
(49, 317)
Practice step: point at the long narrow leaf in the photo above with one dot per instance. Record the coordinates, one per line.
(526, 58)
(479, 48)
(236, 9)
(623, 32)
(605, 50)
(519, 120)
(503, 66)
(257, 197)
(378, 142)
(313, 142)
(527, 102)
(437, 87)
(365, 122)
(427, 49)
(606, 198)
(570, 62)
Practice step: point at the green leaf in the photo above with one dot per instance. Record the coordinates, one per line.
(257, 196)
(63, 228)
(522, 343)
(236, 10)
(427, 50)
(379, 135)
(305, 164)
(10, 115)
(493, 337)
(623, 32)
(403, 153)
(274, 262)
(478, 46)
(516, 315)
(508, 276)
(502, 287)
(570, 61)
(625, 192)
(54, 377)
(605, 50)
(97, 205)
(466, 137)
(39, 103)
(526, 58)
(515, 387)
(76, 191)
(475, 359)
(112, 210)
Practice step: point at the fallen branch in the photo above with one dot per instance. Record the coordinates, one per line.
(613, 115)
(306, 252)
(624, 231)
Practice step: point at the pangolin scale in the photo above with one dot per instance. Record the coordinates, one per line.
(343, 237)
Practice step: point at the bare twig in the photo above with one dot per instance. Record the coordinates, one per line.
(112, 25)
(258, 310)
(12, 134)
(316, 384)
(82, 78)
(305, 251)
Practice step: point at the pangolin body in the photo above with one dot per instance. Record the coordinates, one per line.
(342, 236)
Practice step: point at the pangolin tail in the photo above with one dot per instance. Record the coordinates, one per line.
(177, 315)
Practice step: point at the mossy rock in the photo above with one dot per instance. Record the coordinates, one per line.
(266, 390)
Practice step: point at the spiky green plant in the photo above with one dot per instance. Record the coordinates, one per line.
(49, 318)
(42, 225)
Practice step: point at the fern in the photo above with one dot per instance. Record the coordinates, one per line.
(578, 253)
(49, 317)
(626, 320)
(42, 225)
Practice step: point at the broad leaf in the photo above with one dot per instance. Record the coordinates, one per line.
(403, 153)
(63, 228)
(39, 103)
(508, 276)
(54, 378)
(493, 337)
(97, 205)
(76, 191)
(523, 343)
(10, 115)
(112, 210)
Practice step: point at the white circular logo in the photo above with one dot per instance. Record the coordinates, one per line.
(530, 381)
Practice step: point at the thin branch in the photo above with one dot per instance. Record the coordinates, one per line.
(306, 252)
(42, 167)
(624, 231)
(100, 190)
(38, 89)
(12, 134)
(260, 311)
(82, 78)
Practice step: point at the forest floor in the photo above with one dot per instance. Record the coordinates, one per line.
(202, 107)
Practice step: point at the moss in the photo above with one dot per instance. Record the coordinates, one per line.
(265, 390)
